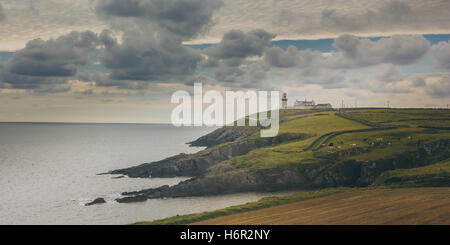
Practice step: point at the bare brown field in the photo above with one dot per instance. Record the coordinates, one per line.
(363, 207)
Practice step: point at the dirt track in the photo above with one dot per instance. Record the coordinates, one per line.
(363, 207)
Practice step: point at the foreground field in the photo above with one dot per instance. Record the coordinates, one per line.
(363, 207)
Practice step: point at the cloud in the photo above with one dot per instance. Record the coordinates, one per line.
(392, 12)
(236, 45)
(2, 13)
(440, 54)
(229, 59)
(45, 63)
(397, 50)
(187, 18)
(149, 58)
(309, 19)
(388, 73)
(153, 32)
(291, 57)
(329, 71)
(418, 80)
(253, 75)
(440, 89)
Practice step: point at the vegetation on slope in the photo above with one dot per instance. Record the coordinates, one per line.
(437, 174)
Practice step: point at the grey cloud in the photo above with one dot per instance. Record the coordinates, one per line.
(236, 45)
(182, 17)
(332, 19)
(398, 50)
(2, 13)
(388, 73)
(440, 54)
(252, 75)
(397, 13)
(226, 59)
(52, 89)
(54, 58)
(43, 63)
(418, 80)
(329, 71)
(17, 81)
(148, 58)
(390, 88)
(151, 49)
(102, 79)
(291, 57)
(441, 89)
(285, 17)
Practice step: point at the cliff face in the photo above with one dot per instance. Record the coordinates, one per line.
(364, 173)
(224, 178)
(198, 164)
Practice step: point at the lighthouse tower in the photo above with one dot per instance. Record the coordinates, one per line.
(284, 101)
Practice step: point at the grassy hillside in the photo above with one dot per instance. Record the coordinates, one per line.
(408, 134)
(314, 150)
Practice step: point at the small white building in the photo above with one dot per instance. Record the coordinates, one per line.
(304, 104)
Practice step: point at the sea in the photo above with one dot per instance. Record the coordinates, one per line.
(49, 171)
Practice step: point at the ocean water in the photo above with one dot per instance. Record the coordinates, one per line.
(48, 171)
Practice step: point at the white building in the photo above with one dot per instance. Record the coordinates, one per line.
(304, 104)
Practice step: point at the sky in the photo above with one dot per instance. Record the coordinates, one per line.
(121, 60)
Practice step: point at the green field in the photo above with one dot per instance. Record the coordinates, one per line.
(407, 137)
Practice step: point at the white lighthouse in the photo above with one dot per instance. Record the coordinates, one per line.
(284, 101)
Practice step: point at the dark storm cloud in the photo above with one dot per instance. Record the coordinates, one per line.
(2, 13)
(54, 58)
(440, 54)
(149, 58)
(153, 31)
(182, 17)
(49, 62)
